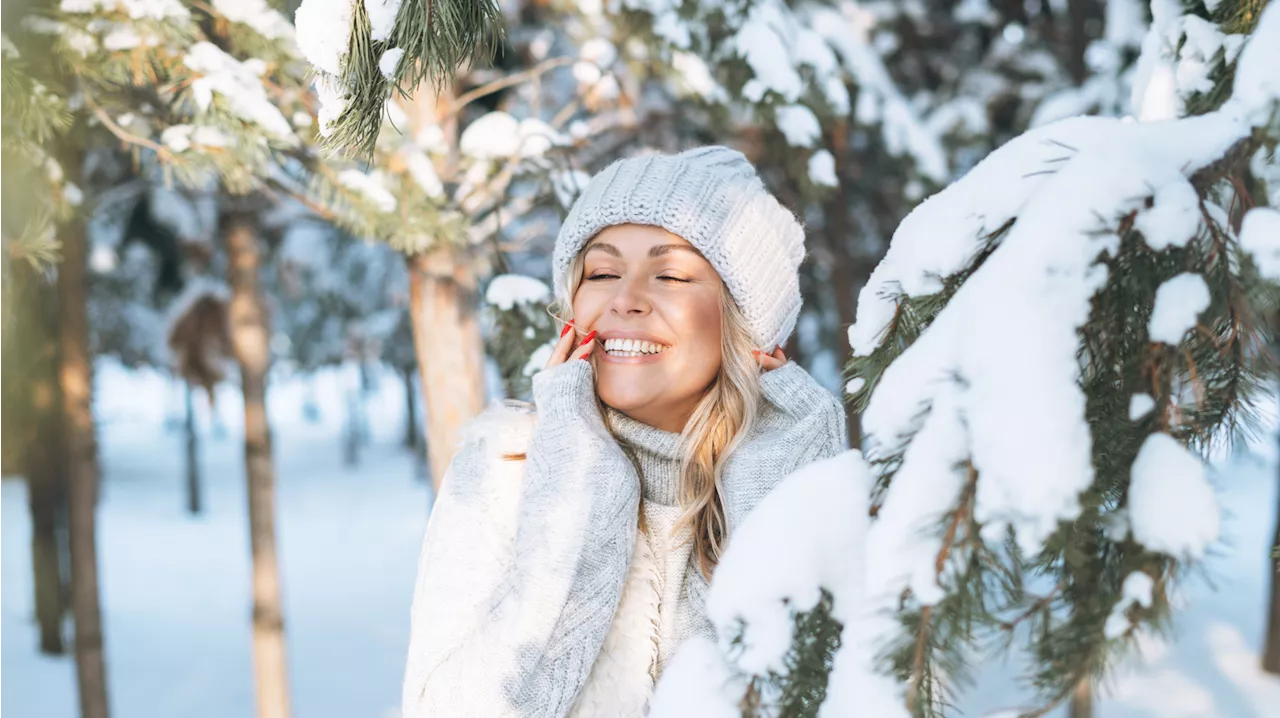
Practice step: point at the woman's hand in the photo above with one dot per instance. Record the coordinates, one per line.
(770, 362)
(569, 348)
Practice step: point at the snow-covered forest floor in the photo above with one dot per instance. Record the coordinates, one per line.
(175, 589)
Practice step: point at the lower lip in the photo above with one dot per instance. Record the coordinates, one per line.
(640, 359)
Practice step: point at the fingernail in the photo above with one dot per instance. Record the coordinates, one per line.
(755, 351)
(566, 329)
(587, 341)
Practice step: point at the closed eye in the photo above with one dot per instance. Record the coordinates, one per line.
(597, 277)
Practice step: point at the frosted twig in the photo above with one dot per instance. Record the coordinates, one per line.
(121, 133)
(489, 88)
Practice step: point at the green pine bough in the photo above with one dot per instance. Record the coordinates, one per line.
(438, 37)
(1070, 601)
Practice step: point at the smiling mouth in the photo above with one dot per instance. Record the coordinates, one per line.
(633, 348)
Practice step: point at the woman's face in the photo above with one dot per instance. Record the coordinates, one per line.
(645, 283)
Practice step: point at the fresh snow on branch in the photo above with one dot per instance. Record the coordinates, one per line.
(846, 28)
(389, 61)
(324, 32)
(1178, 302)
(1173, 218)
(805, 536)
(382, 17)
(135, 9)
(239, 84)
(505, 291)
(1172, 507)
(822, 169)
(371, 186)
(1260, 237)
(1136, 591)
(697, 682)
(799, 125)
(265, 20)
(1007, 338)
(981, 417)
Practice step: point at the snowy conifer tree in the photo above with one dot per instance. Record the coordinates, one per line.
(1042, 357)
(196, 95)
(39, 193)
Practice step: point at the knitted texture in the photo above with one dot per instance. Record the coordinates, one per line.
(712, 198)
(622, 677)
(524, 564)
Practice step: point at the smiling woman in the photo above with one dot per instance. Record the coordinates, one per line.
(635, 288)
(562, 590)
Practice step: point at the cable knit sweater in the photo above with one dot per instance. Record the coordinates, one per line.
(524, 565)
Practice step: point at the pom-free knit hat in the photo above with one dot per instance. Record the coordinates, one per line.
(713, 199)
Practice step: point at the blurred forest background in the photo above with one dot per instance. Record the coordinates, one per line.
(235, 361)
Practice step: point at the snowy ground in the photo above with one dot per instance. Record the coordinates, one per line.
(176, 588)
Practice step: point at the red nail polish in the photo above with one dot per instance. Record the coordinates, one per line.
(587, 341)
(566, 329)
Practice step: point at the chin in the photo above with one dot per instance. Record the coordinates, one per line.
(625, 400)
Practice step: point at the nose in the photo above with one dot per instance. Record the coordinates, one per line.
(631, 296)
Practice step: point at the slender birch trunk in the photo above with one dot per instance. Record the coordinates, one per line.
(249, 343)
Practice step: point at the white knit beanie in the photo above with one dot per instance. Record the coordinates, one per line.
(712, 198)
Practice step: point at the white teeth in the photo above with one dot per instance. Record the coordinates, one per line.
(632, 347)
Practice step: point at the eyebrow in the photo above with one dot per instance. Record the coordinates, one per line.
(656, 250)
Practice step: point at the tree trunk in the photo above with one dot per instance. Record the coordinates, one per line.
(1081, 700)
(1079, 15)
(193, 453)
(443, 298)
(446, 339)
(351, 430)
(850, 269)
(1271, 642)
(75, 378)
(249, 343)
(41, 461)
(411, 434)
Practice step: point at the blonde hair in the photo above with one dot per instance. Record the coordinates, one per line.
(714, 431)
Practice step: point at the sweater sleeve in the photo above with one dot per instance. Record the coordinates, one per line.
(514, 598)
(807, 425)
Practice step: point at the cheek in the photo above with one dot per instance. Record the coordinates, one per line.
(701, 330)
(588, 306)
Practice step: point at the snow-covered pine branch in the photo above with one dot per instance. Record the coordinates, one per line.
(783, 66)
(998, 345)
(788, 593)
(515, 310)
(363, 51)
(156, 76)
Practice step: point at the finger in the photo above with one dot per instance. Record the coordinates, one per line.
(564, 347)
(766, 361)
(779, 354)
(584, 350)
